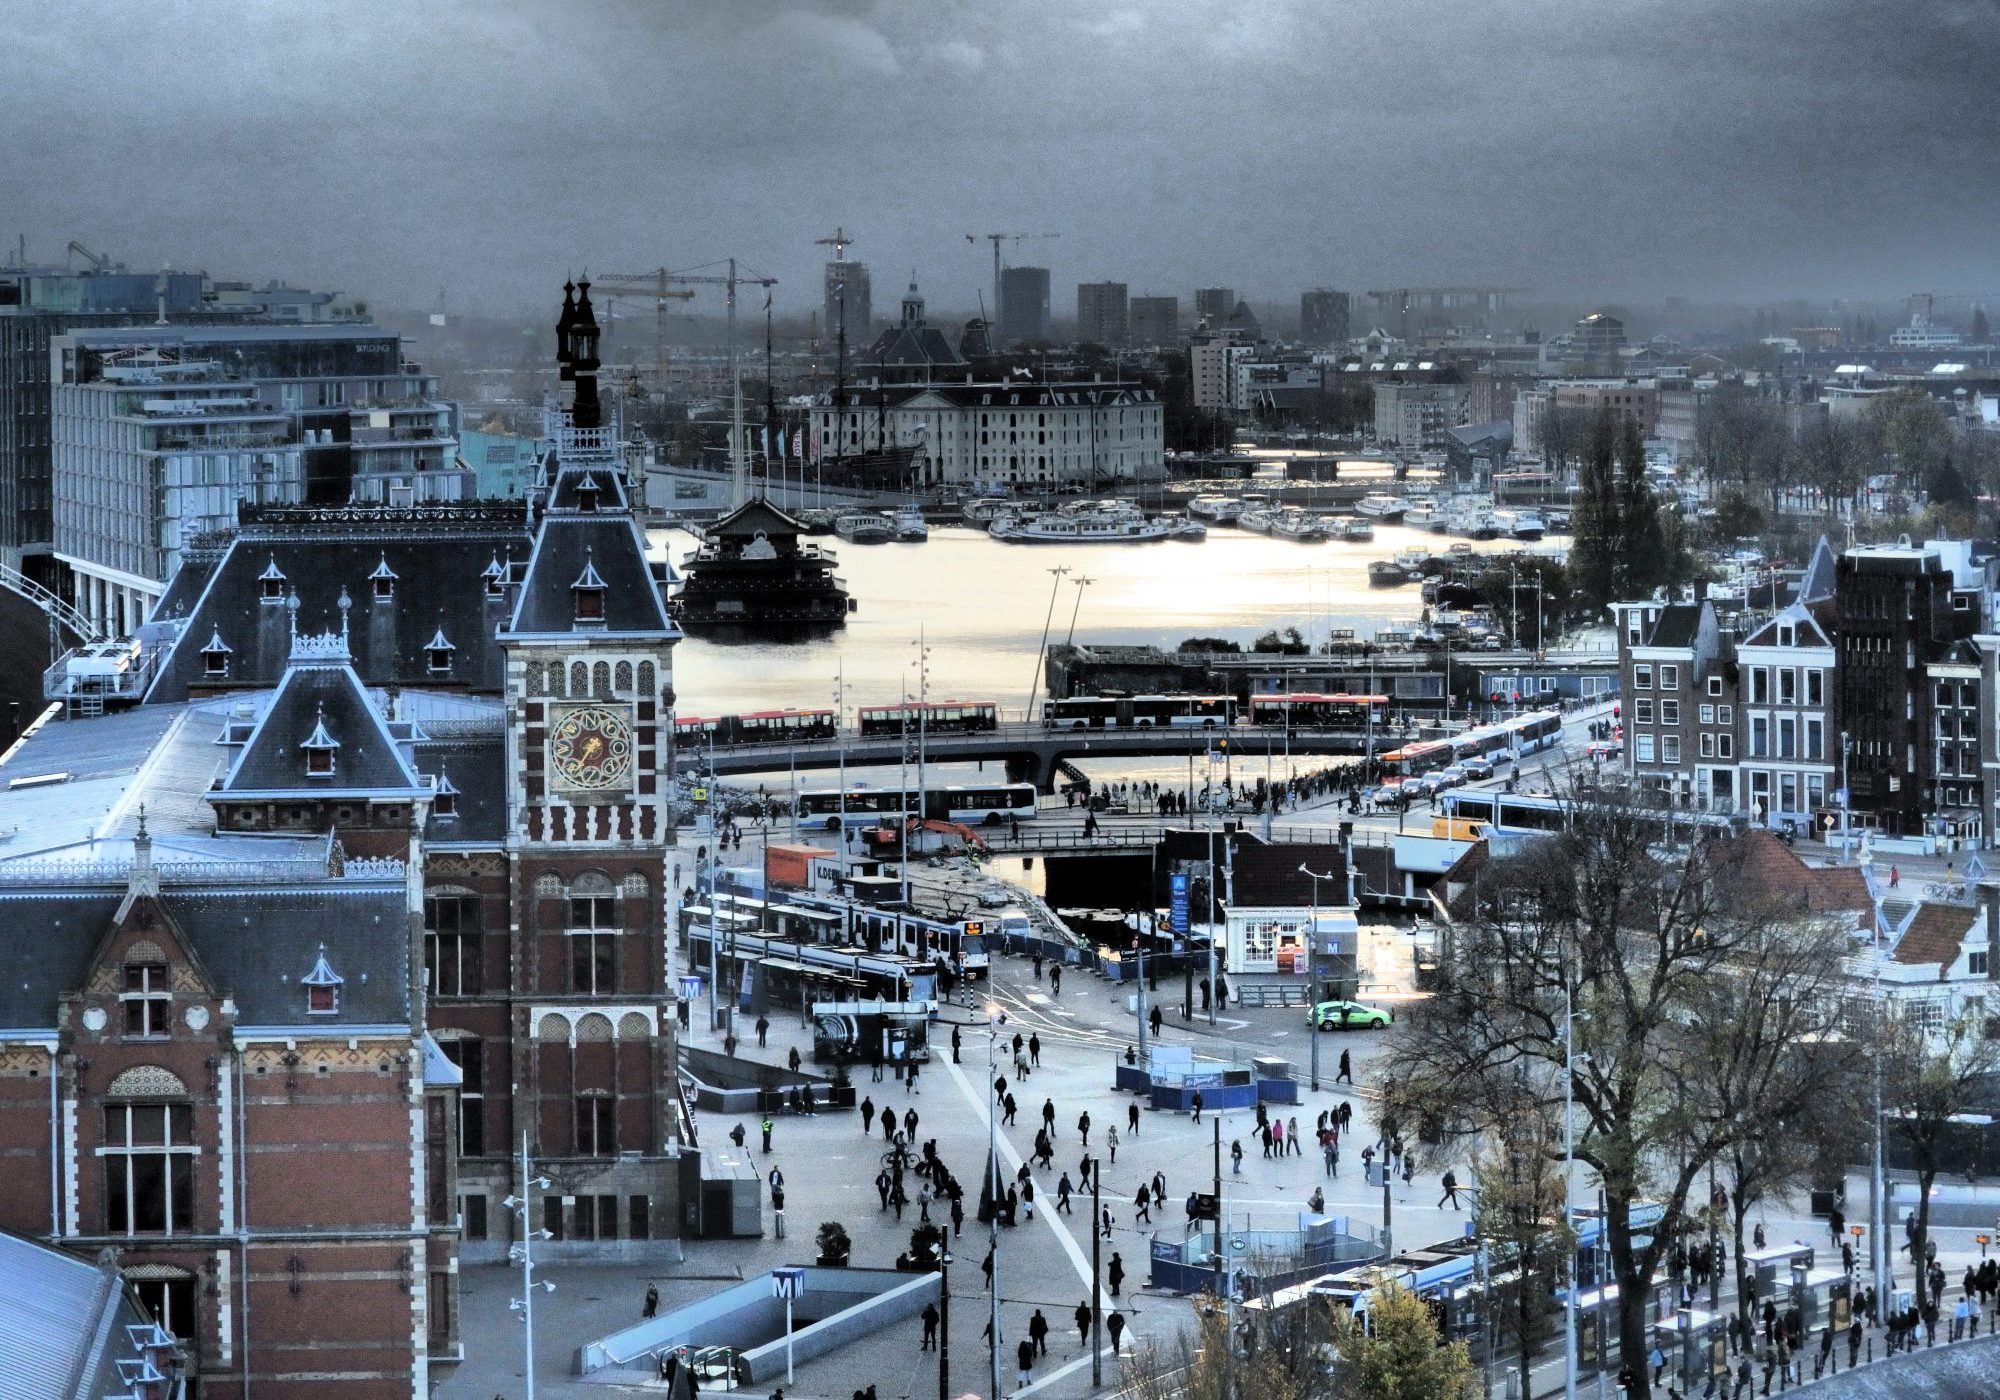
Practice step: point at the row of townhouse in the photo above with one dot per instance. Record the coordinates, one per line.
(1864, 686)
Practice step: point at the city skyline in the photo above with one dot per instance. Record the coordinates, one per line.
(456, 153)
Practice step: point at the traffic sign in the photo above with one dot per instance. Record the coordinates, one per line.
(788, 1283)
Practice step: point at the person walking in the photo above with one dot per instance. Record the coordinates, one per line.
(651, 1307)
(1105, 1227)
(1083, 1323)
(1062, 1195)
(1111, 1141)
(765, 1127)
(763, 1030)
(986, 1267)
(1038, 1332)
(1028, 1200)
(954, 1044)
(1278, 1137)
(792, 1059)
(1330, 1154)
(737, 1136)
(930, 1317)
(1114, 1272)
(867, 1116)
(1346, 1075)
(1035, 1050)
(1049, 1114)
(910, 1124)
(1132, 1118)
(1292, 1137)
(1024, 1360)
(1450, 1184)
(1155, 1019)
(1195, 1103)
(1142, 1204)
(1055, 979)
(1083, 1127)
(1236, 1157)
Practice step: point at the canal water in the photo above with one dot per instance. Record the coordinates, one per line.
(981, 607)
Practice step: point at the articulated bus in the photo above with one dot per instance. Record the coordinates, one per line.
(829, 921)
(1518, 735)
(1140, 712)
(787, 966)
(760, 727)
(1297, 710)
(974, 804)
(933, 717)
(1520, 814)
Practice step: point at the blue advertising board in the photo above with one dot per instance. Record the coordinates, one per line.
(1178, 884)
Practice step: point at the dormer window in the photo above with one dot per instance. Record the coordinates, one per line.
(322, 986)
(148, 1000)
(588, 590)
(586, 494)
(320, 749)
(215, 656)
(495, 578)
(444, 797)
(439, 650)
(271, 583)
(382, 583)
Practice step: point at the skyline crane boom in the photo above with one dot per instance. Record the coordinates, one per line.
(999, 311)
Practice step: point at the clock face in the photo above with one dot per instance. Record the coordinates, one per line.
(591, 749)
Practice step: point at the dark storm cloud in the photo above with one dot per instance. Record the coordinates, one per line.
(1594, 147)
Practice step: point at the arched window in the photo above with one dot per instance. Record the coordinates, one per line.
(623, 678)
(646, 688)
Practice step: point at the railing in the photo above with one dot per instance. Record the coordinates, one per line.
(262, 872)
(51, 603)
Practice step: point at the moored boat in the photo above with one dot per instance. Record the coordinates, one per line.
(863, 527)
(1357, 531)
(909, 525)
(1385, 574)
(1222, 510)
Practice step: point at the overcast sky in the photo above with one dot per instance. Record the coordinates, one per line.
(1583, 148)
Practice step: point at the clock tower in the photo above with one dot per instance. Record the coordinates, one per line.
(589, 645)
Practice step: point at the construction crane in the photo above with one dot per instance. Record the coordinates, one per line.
(730, 280)
(838, 243)
(658, 285)
(98, 262)
(997, 239)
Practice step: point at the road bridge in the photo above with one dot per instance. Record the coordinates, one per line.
(1033, 753)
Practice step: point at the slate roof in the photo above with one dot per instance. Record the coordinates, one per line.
(1935, 935)
(254, 940)
(753, 516)
(440, 562)
(1675, 626)
(912, 347)
(478, 771)
(570, 490)
(311, 698)
(63, 1324)
(567, 545)
(1769, 864)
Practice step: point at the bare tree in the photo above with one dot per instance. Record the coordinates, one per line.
(1929, 1079)
(1634, 937)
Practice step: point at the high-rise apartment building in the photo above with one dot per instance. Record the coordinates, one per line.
(1323, 317)
(1101, 315)
(1214, 304)
(1024, 305)
(158, 431)
(849, 303)
(1155, 320)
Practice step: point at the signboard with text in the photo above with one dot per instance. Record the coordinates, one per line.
(1178, 908)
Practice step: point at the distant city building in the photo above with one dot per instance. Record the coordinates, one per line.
(1323, 317)
(1214, 305)
(1024, 305)
(1923, 334)
(502, 464)
(156, 431)
(1600, 339)
(1155, 320)
(1414, 415)
(1212, 363)
(849, 303)
(1102, 316)
(909, 352)
(40, 303)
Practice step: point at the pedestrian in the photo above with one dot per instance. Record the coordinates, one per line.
(737, 1135)
(763, 1030)
(867, 1116)
(765, 1126)
(898, 1198)
(954, 1044)
(1114, 1272)
(1450, 1184)
(729, 1048)
(1083, 1323)
(1278, 1136)
(1105, 1225)
(1132, 1117)
(1115, 1325)
(1038, 1332)
(651, 1307)
(1083, 1127)
(1236, 1157)
(882, 1183)
(1035, 1051)
(1062, 1195)
(1055, 979)
(1195, 1102)
(1330, 1154)
(910, 1124)
(792, 1059)
(1895, 877)
(1049, 1114)
(1346, 1074)
(1012, 1108)
(1155, 1019)
(1024, 1358)
(1854, 1342)
(1111, 1141)
(1027, 1200)
(777, 1212)
(910, 1081)
(1264, 1134)
(1142, 1204)
(1292, 1137)
(1658, 1361)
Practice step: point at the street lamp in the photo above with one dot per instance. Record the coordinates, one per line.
(523, 1253)
(1081, 584)
(1312, 963)
(995, 1019)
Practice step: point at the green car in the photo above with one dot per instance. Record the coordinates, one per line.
(1348, 1016)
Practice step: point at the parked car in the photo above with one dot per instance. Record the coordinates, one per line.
(1349, 1015)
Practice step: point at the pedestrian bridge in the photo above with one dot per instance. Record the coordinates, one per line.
(1033, 753)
